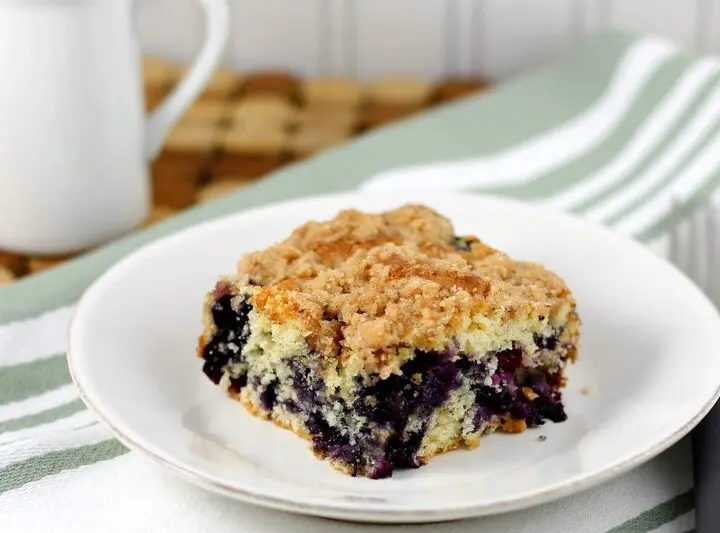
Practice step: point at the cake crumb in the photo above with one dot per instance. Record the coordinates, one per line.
(587, 390)
(529, 393)
(542, 438)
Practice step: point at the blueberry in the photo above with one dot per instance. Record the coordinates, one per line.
(383, 469)
(403, 453)
(268, 396)
(237, 384)
(513, 398)
(229, 338)
(547, 343)
(307, 388)
(482, 415)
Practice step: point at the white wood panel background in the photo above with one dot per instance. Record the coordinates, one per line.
(430, 38)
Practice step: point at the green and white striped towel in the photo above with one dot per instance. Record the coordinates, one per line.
(613, 131)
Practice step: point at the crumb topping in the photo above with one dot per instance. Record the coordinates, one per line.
(366, 286)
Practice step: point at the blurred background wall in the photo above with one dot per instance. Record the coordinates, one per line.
(495, 38)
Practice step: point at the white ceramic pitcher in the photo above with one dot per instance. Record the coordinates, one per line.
(74, 139)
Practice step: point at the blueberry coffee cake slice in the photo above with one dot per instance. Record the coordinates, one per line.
(386, 339)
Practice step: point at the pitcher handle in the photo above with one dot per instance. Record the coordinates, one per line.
(217, 30)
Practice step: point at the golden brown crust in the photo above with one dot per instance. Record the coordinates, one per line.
(513, 425)
(363, 286)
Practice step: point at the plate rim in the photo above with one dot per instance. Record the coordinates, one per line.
(352, 510)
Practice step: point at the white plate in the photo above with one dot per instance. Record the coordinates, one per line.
(648, 352)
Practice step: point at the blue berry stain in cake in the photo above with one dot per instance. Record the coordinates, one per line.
(386, 339)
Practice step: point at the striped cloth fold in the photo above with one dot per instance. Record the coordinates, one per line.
(651, 136)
